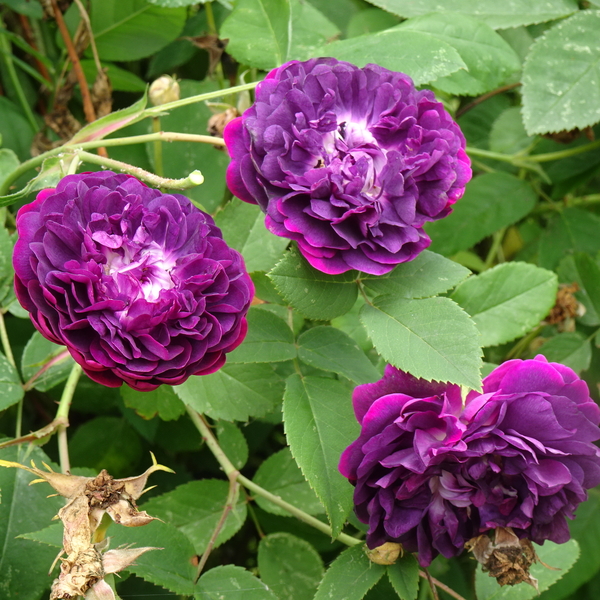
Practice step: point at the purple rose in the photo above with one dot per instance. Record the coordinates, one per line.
(409, 488)
(349, 162)
(431, 474)
(531, 456)
(139, 285)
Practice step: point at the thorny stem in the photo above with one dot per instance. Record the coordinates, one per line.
(234, 489)
(559, 206)
(522, 344)
(193, 179)
(204, 429)
(166, 136)
(63, 413)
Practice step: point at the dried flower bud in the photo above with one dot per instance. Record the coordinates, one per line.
(164, 89)
(508, 558)
(217, 123)
(386, 554)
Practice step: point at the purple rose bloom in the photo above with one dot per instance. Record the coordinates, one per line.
(409, 488)
(349, 162)
(529, 438)
(431, 474)
(139, 285)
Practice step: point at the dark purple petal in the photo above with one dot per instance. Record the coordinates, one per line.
(139, 285)
(348, 162)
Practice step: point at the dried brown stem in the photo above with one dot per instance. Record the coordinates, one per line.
(88, 107)
(505, 88)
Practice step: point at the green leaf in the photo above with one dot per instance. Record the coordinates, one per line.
(259, 32)
(508, 300)
(52, 171)
(431, 338)
(280, 475)
(319, 425)
(560, 76)
(127, 30)
(491, 201)
(571, 349)
(120, 79)
(51, 535)
(310, 30)
(315, 294)
(11, 390)
(180, 158)
(173, 3)
(350, 576)
(268, 33)
(370, 20)
(560, 556)
(234, 392)
(7, 272)
(573, 230)
(269, 339)
(330, 349)
(404, 576)
(15, 129)
(585, 528)
(423, 57)
(499, 15)
(37, 354)
(231, 583)
(427, 275)
(589, 273)
(195, 508)
(28, 8)
(9, 161)
(243, 227)
(106, 443)
(170, 567)
(488, 58)
(104, 126)
(233, 443)
(163, 401)
(24, 564)
(508, 135)
(290, 566)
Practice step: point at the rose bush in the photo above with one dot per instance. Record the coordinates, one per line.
(139, 285)
(431, 474)
(349, 162)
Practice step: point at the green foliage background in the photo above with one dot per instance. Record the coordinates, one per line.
(521, 77)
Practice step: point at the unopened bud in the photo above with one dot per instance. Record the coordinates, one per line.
(164, 89)
(386, 554)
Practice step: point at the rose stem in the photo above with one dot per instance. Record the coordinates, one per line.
(158, 155)
(431, 584)
(157, 110)
(193, 179)
(204, 429)
(11, 359)
(63, 413)
(232, 495)
(166, 136)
